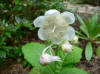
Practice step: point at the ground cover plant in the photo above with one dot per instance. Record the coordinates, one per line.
(90, 31)
(16, 24)
(10, 36)
(58, 55)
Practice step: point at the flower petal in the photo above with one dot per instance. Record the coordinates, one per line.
(39, 21)
(70, 33)
(69, 17)
(40, 34)
(52, 11)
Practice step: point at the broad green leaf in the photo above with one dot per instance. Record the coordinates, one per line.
(42, 70)
(32, 52)
(98, 51)
(73, 71)
(35, 71)
(88, 51)
(83, 26)
(73, 57)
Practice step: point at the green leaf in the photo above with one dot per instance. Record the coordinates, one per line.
(98, 51)
(8, 34)
(80, 35)
(35, 71)
(83, 26)
(32, 52)
(88, 51)
(73, 57)
(42, 70)
(73, 71)
(94, 19)
(2, 54)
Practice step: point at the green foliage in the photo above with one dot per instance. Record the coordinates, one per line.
(90, 31)
(35, 71)
(23, 23)
(73, 71)
(16, 18)
(32, 52)
(2, 56)
(83, 26)
(73, 57)
(42, 70)
(88, 51)
(98, 51)
(10, 38)
(28, 9)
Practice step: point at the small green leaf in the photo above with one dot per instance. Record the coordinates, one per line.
(80, 35)
(83, 26)
(8, 34)
(88, 51)
(2, 54)
(73, 57)
(73, 71)
(98, 51)
(32, 52)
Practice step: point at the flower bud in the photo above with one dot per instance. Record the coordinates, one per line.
(47, 59)
(67, 47)
(75, 40)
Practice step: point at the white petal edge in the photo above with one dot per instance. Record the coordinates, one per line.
(69, 17)
(39, 21)
(40, 34)
(70, 34)
(52, 11)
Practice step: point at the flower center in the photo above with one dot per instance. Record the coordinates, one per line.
(53, 28)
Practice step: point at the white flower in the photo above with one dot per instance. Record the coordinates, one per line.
(69, 17)
(75, 40)
(67, 47)
(54, 26)
(52, 11)
(47, 59)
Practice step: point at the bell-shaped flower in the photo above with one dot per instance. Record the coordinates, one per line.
(67, 47)
(54, 26)
(47, 59)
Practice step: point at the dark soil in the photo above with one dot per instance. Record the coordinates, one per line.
(92, 66)
(13, 67)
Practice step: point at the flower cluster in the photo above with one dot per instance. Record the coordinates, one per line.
(54, 26)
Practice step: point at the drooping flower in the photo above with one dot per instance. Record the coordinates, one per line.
(46, 58)
(67, 47)
(54, 26)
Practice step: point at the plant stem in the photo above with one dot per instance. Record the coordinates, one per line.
(51, 70)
